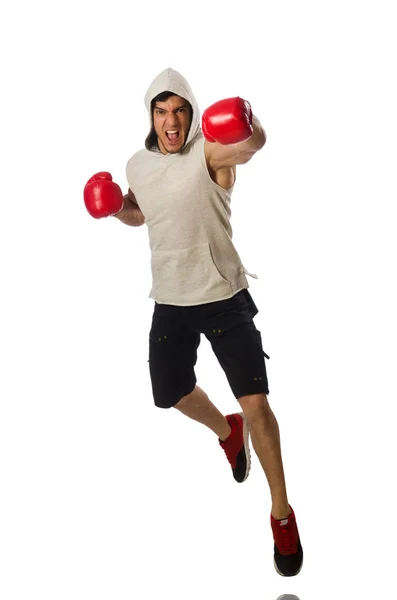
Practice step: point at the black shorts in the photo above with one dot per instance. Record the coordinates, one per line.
(228, 325)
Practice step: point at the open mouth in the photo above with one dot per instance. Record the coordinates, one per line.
(172, 135)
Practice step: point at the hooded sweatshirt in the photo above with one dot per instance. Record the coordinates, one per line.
(193, 259)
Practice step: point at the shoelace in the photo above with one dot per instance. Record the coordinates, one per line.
(230, 454)
(230, 449)
(286, 541)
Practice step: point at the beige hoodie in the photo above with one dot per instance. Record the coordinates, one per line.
(193, 259)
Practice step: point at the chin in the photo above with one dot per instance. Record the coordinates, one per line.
(174, 149)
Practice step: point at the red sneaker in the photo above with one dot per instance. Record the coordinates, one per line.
(288, 552)
(236, 447)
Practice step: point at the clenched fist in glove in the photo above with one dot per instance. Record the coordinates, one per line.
(228, 121)
(103, 197)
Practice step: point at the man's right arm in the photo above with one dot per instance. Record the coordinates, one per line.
(131, 214)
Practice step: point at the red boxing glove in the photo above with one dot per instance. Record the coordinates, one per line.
(228, 121)
(102, 197)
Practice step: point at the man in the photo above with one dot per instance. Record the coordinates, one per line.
(180, 185)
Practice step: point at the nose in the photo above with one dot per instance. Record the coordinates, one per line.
(172, 121)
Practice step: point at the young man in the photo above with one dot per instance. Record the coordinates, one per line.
(180, 185)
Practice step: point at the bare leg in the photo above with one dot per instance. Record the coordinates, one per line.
(265, 436)
(199, 407)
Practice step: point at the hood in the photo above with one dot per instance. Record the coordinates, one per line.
(170, 80)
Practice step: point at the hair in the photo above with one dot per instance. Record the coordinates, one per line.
(151, 140)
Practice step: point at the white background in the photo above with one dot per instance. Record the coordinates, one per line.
(103, 495)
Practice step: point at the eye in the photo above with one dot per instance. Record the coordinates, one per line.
(181, 109)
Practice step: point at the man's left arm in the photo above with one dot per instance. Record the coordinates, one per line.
(233, 134)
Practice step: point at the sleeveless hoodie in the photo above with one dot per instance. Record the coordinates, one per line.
(193, 259)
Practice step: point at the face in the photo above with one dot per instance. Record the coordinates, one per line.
(171, 120)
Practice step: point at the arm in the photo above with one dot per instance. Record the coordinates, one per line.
(220, 156)
(131, 214)
(233, 134)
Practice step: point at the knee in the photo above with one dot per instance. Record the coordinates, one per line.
(180, 405)
(187, 399)
(256, 409)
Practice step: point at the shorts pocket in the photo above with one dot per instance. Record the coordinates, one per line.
(259, 336)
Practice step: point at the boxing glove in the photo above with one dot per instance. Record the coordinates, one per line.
(103, 197)
(228, 121)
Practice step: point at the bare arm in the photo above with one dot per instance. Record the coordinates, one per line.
(131, 214)
(220, 156)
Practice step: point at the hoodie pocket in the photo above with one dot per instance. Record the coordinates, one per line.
(189, 275)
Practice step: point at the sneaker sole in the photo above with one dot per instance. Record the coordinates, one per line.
(246, 445)
(282, 574)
